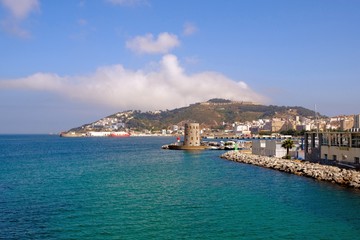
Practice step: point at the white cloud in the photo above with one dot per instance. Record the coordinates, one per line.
(19, 10)
(147, 44)
(189, 29)
(127, 2)
(114, 86)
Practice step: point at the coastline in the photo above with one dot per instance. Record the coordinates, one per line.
(344, 177)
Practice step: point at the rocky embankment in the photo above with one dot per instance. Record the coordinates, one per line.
(350, 178)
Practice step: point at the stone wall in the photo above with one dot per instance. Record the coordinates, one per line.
(350, 178)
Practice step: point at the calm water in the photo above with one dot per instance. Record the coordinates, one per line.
(103, 188)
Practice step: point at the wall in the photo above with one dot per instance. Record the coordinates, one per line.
(343, 154)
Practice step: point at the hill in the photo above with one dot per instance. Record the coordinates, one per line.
(210, 114)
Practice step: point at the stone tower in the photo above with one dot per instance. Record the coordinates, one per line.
(192, 134)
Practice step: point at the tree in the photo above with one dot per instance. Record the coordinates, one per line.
(288, 144)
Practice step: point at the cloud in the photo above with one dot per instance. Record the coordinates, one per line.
(14, 29)
(192, 60)
(83, 30)
(82, 3)
(147, 44)
(19, 10)
(189, 29)
(82, 22)
(166, 87)
(128, 2)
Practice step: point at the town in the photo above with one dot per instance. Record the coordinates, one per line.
(330, 140)
(294, 126)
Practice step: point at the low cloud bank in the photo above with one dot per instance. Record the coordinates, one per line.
(114, 86)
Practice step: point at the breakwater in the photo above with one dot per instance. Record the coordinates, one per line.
(350, 178)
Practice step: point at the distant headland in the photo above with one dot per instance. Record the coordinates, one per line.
(215, 116)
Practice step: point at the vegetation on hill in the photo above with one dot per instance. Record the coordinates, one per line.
(211, 114)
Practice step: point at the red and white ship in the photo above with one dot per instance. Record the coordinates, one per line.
(119, 134)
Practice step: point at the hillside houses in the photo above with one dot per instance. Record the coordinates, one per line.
(221, 117)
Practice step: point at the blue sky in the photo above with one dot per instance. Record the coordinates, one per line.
(72, 62)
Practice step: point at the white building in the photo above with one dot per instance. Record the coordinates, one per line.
(242, 129)
(270, 148)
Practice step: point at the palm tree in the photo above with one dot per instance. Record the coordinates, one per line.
(288, 144)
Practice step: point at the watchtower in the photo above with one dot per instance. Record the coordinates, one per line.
(192, 134)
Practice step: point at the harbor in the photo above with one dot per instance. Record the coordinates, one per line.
(193, 141)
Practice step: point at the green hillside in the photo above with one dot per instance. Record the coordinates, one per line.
(209, 114)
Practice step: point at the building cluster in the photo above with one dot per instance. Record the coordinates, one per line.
(274, 125)
(248, 129)
(241, 129)
(294, 123)
(266, 126)
(109, 123)
(336, 143)
(338, 147)
(334, 140)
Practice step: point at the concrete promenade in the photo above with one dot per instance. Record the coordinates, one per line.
(350, 178)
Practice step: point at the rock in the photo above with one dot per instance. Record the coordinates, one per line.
(317, 171)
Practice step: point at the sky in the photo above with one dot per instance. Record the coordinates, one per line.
(71, 62)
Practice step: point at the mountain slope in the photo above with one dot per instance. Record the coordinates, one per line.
(209, 114)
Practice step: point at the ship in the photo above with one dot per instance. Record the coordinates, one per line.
(119, 134)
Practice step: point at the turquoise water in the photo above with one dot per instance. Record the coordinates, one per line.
(106, 188)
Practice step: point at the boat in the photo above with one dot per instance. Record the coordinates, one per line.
(119, 134)
(230, 145)
(215, 145)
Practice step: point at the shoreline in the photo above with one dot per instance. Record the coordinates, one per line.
(340, 176)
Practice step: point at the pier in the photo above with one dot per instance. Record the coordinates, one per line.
(261, 137)
(345, 177)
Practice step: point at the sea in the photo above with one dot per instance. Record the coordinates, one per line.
(130, 188)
